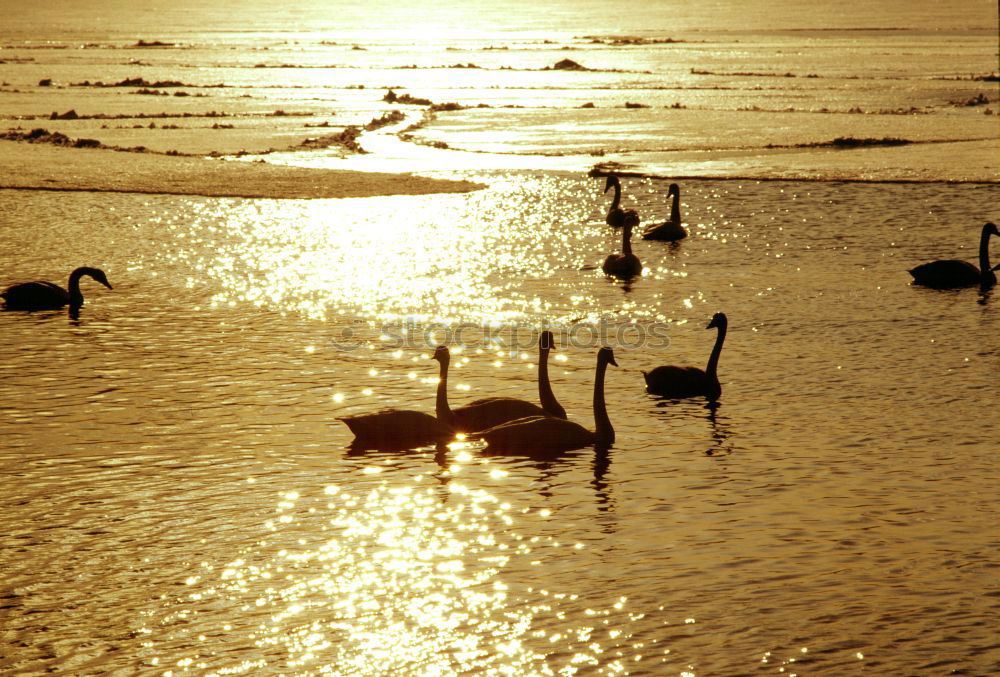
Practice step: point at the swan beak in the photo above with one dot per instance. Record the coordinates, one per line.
(607, 184)
(107, 284)
(611, 360)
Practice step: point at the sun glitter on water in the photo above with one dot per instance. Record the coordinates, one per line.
(379, 582)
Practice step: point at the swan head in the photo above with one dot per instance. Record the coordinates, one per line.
(612, 181)
(546, 341)
(95, 273)
(991, 229)
(631, 220)
(607, 356)
(442, 354)
(718, 320)
(673, 190)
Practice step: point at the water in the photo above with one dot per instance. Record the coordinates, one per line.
(178, 496)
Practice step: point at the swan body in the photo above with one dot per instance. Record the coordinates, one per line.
(546, 433)
(670, 230)
(674, 381)
(625, 265)
(616, 215)
(537, 433)
(48, 295)
(946, 274)
(492, 411)
(393, 429)
(954, 274)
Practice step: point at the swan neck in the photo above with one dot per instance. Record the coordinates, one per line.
(618, 196)
(545, 394)
(713, 361)
(627, 240)
(675, 208)
(75, 296)
(984, 253)
(605, 432)
(441, 408)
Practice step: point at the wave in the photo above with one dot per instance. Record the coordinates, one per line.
(838, 143)
(628, 171)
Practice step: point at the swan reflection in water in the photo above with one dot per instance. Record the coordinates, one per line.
(365, 450)
(602, 488)
(550, 464)
(721, 444)
(719, 437)
(364, 458)
(439, 450)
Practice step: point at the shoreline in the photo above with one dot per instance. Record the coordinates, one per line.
(42, 167)
(793, 179)
(26, 166)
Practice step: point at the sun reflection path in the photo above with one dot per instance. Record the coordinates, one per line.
(491, 256)
(409, 579)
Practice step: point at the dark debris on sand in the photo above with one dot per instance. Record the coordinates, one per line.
(40, 135)
(142, 82)
(847, 142)
(347, 139)
(154, 43)
(567, 65)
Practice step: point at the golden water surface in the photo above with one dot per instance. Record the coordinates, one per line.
(179, 498)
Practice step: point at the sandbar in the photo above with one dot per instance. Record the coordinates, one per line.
(44, 167)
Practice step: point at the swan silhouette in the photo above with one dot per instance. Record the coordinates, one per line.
(625, 265)
(491, 411)
(48, 295)
(548, 434)
(397, 429)
(953, 273)
(670, 230)
(616, 215)
(674, 381)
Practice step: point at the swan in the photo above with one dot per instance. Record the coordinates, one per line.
(48, 295)
(616, 215)
(691, 381)
(625, 265)
(491, 411)
(392, 429)
(671, 229)
(546, 433)
(952, 273)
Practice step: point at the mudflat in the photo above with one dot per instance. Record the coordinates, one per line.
(46, 167)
